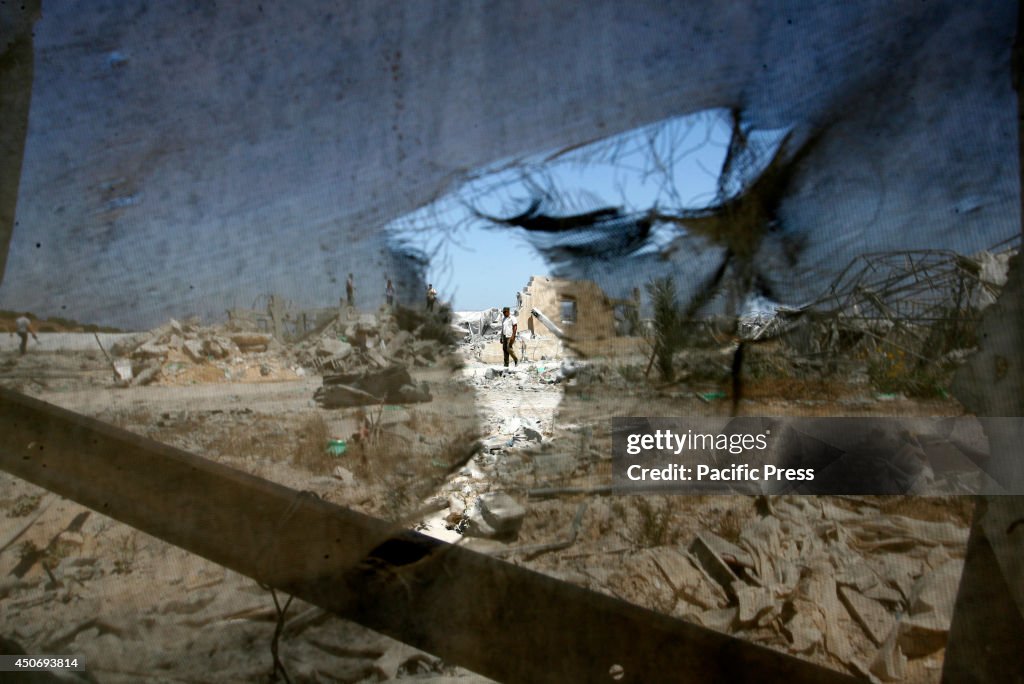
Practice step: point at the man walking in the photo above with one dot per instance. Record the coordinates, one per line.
(389, 293)
(23, 325)
(509, 325)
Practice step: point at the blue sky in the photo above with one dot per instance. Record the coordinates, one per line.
(672, 164)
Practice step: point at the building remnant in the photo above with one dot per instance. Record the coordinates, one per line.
(580, 307)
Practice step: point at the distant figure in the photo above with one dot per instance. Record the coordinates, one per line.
(519, 301)
(633, 313)
(509, 326)
(24, 328)
(431, 297)
(389, 293)
(350, 290)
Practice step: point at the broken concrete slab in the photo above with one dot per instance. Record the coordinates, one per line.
(194, 349)
(869, 614)
(150, 350)
(331, 347)
(392, 385)
(803, 634)
(344, 474)
(532, 434)
(756, 604)
(687, 580)
(399, 343)
(715, 566)
(728, 551)
(377, 358)
(924, 629)
(122, 371)
(146, 376)
(495, 515)
(889, 663)
(719, 619)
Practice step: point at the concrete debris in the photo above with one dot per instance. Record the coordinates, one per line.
(188, 353)
(802, 632)
(869, 614)
(345, 475)
(757, 605)
(820, 577)
(687, 580)
(185, 353)
(146, 376)
(122, 370)
(729, 552)
(923, 629)
(532, 433)
(889, 663)
(330, 347)
(392, 385)
(713, 564)
(495, 516)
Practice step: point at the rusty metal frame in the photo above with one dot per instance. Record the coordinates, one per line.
(498, 619)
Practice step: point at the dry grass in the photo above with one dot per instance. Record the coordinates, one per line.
(730, 525)
(790, 389)
(310, 451)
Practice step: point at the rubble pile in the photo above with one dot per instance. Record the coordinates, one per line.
(855, 589)
(391, 385)
(368, 343)
(366, 361)
(189, 353)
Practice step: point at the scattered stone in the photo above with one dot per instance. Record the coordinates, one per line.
(345, 475)
(333, 348)
(456, 505)
(876, 620)
(533, 434)
(122, 371)
(803, 634)
(756, 604)
(150, 350)
(717, 568)
(924, 629)
(496, 515)
(146, 376)
(249, 342)
(392, 385)
(194, 349)
(688, 582)
(889, 663)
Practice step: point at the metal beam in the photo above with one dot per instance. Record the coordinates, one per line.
(500, 620)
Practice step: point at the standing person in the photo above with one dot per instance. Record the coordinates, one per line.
(509, 326)
(389, 293)
(519, 302)
(431, 297)
(633, 313)
(23, 325)
(350, 290)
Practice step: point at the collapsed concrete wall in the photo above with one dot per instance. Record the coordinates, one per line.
(579, 307)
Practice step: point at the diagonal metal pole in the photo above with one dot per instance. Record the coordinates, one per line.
(500, 620)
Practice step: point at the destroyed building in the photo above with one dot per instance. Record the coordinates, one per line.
(579, 307)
